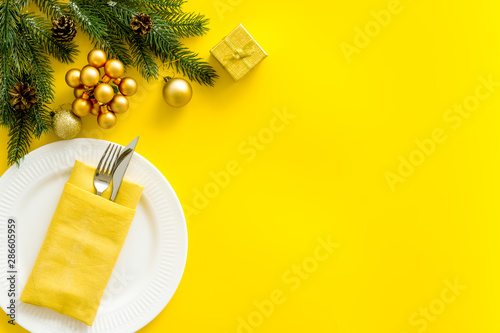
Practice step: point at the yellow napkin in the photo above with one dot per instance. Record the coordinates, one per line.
(81, 247)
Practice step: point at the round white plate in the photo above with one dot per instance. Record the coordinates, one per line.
(151, 262)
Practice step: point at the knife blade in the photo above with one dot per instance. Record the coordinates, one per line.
(121, 167)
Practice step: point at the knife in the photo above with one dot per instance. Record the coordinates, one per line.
(121, 167)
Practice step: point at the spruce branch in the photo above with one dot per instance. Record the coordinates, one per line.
(40, 71)
(9, 66)
(164, 6)
(52, 8)
(88, 16)
(39, 31)
(187, 24)
(143, 57)
(20, 138)
(28, 40)
(172, 53)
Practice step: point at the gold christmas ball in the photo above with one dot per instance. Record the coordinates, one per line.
(95, 108)
(114, 68)
(81, 107)
(78, 91)
(119, 104)
(73, 78)
(90, 76)
(97, 58)
(128, 86)
(104, 93)
(66, 124)
(106, 120)
(177, 92)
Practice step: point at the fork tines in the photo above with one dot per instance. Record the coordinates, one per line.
(108, 160)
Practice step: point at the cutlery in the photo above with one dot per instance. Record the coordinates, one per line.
(121, 167)
(104, 171)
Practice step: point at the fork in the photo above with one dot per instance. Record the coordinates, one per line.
(105, 168)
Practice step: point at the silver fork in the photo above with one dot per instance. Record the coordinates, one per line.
(105, 168)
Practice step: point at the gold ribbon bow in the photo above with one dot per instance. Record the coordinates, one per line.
(239, 53)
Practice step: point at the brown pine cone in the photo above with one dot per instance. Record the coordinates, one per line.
(23, 96)
(141, 24)
(63, 29)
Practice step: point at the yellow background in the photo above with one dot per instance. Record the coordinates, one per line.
(323, 175)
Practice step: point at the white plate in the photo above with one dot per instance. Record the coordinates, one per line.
(151, 262)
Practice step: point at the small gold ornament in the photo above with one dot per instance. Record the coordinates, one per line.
(66, 124)
(104, 93)
(114, 69)
(78, 91)
(106, 120)
(73, 78)
(97, 58)
(127, 86)
(177, 92)
(95, 107)
(81, 107)
(90, 76)
(119, 104)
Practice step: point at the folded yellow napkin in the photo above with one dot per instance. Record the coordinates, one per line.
(81, 247)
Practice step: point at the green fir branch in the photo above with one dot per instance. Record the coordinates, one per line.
(52, 8)
(164, 6)
(143, 57)
(90, 21)
(9, 65)
(40, 70)
(39, 31)
(187, 24)
(40, 120)
(20, 138)
(27, 41)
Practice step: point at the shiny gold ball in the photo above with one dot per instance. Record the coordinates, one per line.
(66, 124)
(177, 92)
(128, 86)
(81, 107)
(90, 76)
(114, 68)
(97, 58)
(106, 120)
(78, 91)
(73, 78)
(104, 93)
(119, 104)
(95, 108)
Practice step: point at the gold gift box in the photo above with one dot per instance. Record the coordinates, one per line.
(238, 53)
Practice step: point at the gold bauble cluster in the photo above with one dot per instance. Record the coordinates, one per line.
(95, 94)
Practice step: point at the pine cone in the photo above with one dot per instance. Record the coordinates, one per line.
(23, 96)
(63, 29)
(141, 24)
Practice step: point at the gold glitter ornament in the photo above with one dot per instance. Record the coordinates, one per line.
(66, 124)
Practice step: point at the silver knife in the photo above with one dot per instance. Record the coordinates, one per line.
(121, 166)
